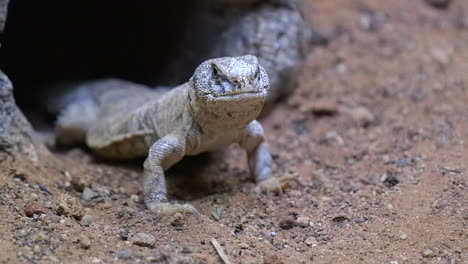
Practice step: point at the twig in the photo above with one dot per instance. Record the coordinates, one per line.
(220, 251)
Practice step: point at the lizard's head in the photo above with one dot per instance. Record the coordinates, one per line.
(228, 92)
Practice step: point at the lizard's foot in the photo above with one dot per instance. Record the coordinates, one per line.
(275, 184)
(168, 209)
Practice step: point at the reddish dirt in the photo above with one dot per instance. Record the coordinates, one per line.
(376, 136)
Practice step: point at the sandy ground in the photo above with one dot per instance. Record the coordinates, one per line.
(376, 136)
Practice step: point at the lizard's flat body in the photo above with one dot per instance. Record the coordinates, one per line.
(217, 107)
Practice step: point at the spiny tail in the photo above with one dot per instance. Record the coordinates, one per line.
(78, 108)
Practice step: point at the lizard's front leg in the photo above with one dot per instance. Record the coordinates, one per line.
(161, 156)
(259, 158)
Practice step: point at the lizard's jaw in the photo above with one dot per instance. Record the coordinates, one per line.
(234, 111)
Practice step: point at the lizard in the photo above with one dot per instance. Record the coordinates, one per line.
(215, 108)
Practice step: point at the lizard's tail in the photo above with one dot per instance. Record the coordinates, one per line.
(74, 121)
(78, 108)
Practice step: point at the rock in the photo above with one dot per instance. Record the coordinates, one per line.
(80, 182)
(320, 107)
(3, 13)
(84, 243)
(68, 206)
(143, 240)
(89, 194)
(303, 221)
(177, 219)
(310, 241)
(273, 259)
(16, 134)
(441, 56)
(244, 245)
(389, 179)
(403, 236)
(87, 220)
(439, 4)
(123, 254)
(35, 208)
(286, 224)
(362, 116)
(124, 233)
(428, 253)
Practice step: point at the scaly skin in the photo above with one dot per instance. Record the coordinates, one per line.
(216, 108)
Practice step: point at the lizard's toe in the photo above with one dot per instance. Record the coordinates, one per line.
(168, 209)
(275, 184)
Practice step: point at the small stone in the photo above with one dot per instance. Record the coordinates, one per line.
(37, 249)
(35, 208)
(320, 107)
(177, 219)
(89, 194)
(41, 236)
(286, 224)
(428, 253)
(124, 233)
(244, 245)
(87, 220)
(68, 206)
(389, 179)
(441, 56)
(85, 243)
(439, 4)
(403, 236)
(303, 221)
(394, 262)
(79, 182)
(362, 116)
(186, 250)
(143, 240)
(217, 213)
(310, 241)
(123, 254)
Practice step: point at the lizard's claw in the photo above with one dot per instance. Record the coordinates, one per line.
(275, 184)
(168, 209)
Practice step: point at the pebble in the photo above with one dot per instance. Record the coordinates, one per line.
(85, 243)
(143, 240)
(244, 245)
(321, 107)
(310, 241)
(286, 224)
(303, 221)
(68, 206)
(403, 236)
(123, 254)
(89, 194)
(87, 220)
(428, 253)
(124, 233)
(389, 179)
(440, 4)
(35, 208)
(362, 116)
(177, 219)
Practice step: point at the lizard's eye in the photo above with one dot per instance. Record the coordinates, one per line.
(257, 74)
(215, 71)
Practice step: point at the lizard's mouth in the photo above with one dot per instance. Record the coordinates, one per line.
(234, 93)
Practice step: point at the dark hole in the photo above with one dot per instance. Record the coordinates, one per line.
(50, 42)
